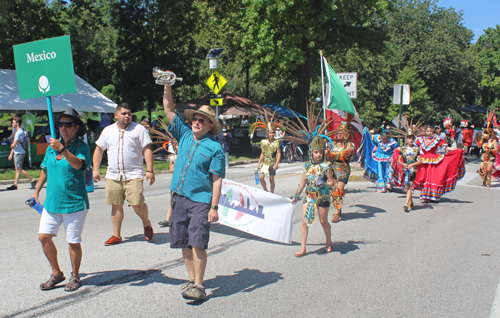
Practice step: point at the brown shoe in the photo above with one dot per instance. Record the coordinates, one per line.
(73, 284)
(336, 218)
(113, 240)
(52, 282)
(148, 233)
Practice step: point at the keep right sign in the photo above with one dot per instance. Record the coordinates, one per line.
(350, 81)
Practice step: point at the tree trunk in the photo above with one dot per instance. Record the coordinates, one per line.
(303, 82)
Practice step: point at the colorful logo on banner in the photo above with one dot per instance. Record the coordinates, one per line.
(240, 202)
(45, 68)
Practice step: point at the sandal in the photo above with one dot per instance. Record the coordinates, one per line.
(300, 253)
(328, 248)
(52, 282)
(73, 284)
(336, 217)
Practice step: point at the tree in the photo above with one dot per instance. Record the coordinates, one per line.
(487, 55)
(285, 36)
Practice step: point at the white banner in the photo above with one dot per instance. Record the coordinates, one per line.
(256, 211)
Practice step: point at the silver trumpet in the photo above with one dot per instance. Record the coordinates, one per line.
(165, 77)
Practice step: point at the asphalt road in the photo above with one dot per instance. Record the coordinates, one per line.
(440, 260)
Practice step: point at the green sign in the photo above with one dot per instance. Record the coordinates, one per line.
(45, 68)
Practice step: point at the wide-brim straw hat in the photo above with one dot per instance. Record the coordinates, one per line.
(208, 112)
(71, 112)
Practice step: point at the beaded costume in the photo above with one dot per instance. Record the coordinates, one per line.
(489, 154)
(269, 149)
(340, 155)
(317, 188)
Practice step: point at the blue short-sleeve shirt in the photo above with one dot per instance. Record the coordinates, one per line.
(66, 191)
(196, 161)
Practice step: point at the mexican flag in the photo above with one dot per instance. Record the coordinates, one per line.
(337, 101)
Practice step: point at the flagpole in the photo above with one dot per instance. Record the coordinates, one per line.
(322, 85)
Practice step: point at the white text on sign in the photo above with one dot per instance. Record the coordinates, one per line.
(41, 57)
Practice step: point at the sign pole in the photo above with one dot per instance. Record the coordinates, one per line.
(322, 85)
(51, 118)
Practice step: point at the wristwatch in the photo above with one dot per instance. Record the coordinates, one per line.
(215, 207)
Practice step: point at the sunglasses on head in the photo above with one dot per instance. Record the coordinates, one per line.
(66, 124)
(200, 120)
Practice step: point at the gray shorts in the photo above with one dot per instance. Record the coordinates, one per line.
(189, 226)
(18, 160)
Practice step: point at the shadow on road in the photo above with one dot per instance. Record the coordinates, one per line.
(246, 280)
(127, 276)
(364, 212)
(158, 239)
(222, 229)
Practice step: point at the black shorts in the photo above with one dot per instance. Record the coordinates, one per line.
(324, 204)
(189, 226)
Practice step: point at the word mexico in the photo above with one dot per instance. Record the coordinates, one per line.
(41, 57)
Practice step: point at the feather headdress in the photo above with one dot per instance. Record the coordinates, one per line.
(165, 137)
(409, 129)
(265, 121)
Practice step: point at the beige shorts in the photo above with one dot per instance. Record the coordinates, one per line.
(117, 191)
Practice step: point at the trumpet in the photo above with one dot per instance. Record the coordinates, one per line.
(165, 77)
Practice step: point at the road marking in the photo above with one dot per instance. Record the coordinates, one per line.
(495, 308)
(467, 178)
(479, 186)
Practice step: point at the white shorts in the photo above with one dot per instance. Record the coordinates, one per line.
(73, 224)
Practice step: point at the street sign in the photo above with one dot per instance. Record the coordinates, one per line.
(350, 81)
(44, 68)
(216, 82)
(404, 90)
(216, 101)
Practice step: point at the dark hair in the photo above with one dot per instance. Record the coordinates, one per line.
(123, 105)
(17, 120)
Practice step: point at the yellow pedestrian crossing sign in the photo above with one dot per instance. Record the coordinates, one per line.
(216, 101)
(216, 82)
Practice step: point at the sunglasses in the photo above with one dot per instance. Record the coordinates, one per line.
(66, 124)
(200, 120)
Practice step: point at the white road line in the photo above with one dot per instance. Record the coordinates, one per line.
(495, 308)
(469, 176)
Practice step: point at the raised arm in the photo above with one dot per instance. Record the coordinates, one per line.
(168, 103)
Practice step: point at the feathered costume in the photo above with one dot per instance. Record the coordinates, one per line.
(342, 149)
(317, 188)
(166, 137)
(374, 155)
(489, 154)
(270, 149)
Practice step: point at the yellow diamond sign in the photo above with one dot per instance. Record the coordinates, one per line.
(216, 82)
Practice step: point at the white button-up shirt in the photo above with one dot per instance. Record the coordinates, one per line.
(125, 150)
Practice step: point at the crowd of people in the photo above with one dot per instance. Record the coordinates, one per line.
(426, 161)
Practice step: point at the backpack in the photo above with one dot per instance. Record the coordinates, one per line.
(24, 141)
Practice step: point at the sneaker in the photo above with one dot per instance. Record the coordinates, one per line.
(195, 293)
(113, 240)
(12, 187)
(148, 233)
(186, 286)
(164, 223)
(33, 184)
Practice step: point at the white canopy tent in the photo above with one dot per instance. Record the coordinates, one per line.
(86, 98)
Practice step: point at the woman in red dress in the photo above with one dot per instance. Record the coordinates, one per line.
(438, 174)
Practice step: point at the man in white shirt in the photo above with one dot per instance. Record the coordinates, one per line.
(126, 143)
(18, 153)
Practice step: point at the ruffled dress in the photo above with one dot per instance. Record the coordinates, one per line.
(438, 174)
(399, 176)
(374, 156)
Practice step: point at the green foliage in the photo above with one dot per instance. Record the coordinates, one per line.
(487, 56)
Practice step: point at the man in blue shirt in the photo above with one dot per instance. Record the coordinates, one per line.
(196, 187)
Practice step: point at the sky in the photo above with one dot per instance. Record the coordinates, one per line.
(478, 15)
